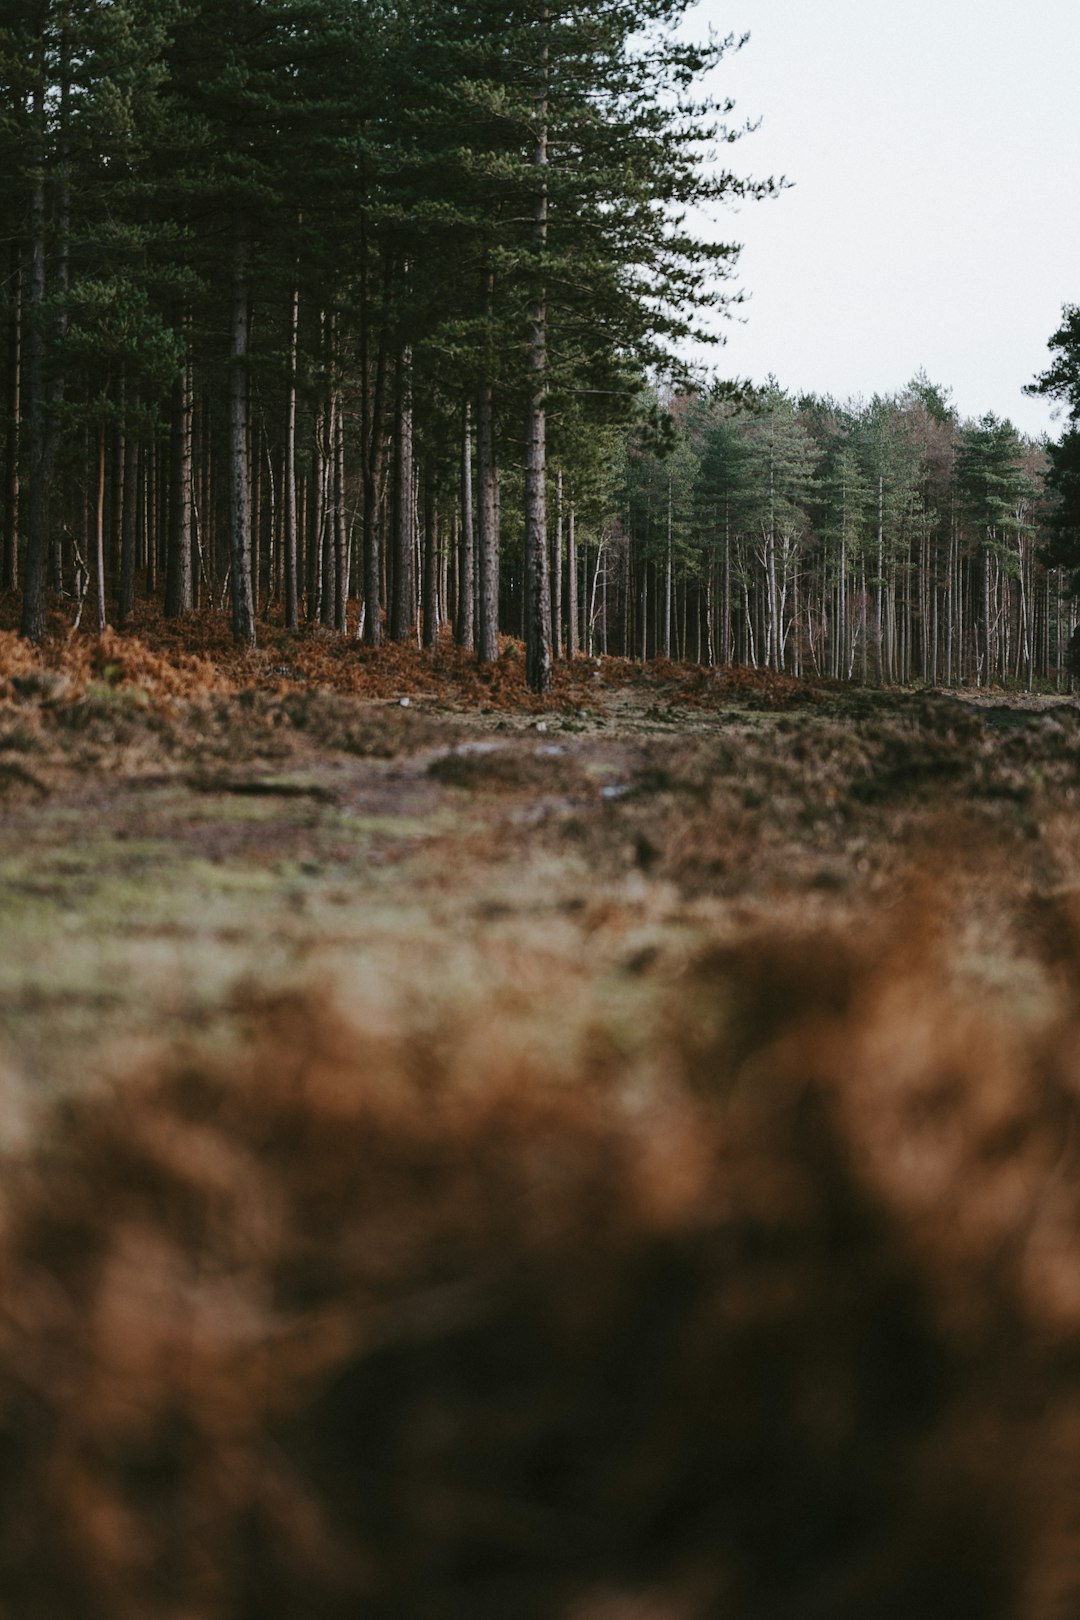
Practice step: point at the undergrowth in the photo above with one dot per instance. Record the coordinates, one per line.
(773, 1316)
(195, 655)
(789, 1328)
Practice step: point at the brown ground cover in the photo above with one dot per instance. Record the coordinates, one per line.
(195, 654)
(606, 1156)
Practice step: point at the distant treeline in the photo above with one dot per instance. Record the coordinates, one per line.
(882, 540)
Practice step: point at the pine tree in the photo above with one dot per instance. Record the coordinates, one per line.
(994, 488)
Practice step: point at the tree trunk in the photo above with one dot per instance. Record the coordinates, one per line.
(537, 597)
(9, 570)
(537, 588)
(63, 262)
(725, 597)
(403, 590)
(328, 570)
(243, 601)
(668, 564)
(290, 527)
(373, 468)
(341, 525)
(592, 597)
(556, 571)
(571, 586)
(179, 572)
(129, 521)
(372, 401)
(465, 625)
(40, 426)
(431, 547)
(318, 519)
(487, 468)
(645, 612)
(986, 618)
(99, 530)
(772, 631)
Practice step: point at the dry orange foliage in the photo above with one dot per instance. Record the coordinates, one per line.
(338, 1329)
(112, 659)
(194, 655)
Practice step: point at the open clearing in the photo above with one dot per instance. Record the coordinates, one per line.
(164, 859)
(738, 1016)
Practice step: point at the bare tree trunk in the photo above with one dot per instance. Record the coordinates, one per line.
(950, 601)
(556, 571)
(129, 524)
(446, 535)
(571, 586)
(114, 517)
(488, 513)
(986, 618)
(179, 588)
(9, 570)
(772, 633)
(290, 527)
(149, 510)
(725, 596)
(465, 626)
(841, 604)
(879, 607)
(537, 588)
(243, 601)
(644, 611)
(40, 427)
(63, 261)
(592, 594)
(327, 568)
(99, 530)
(668, 564)
(318, 519)
(372, 401)
(341, 526)
(430, 609)
(603, 602)
(403, 591)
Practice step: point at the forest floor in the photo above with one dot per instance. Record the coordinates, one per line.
(808, 955)
(184, 833)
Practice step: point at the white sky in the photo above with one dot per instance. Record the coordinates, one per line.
(935, 218)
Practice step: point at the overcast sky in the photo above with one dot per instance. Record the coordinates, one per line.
(934, 147)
